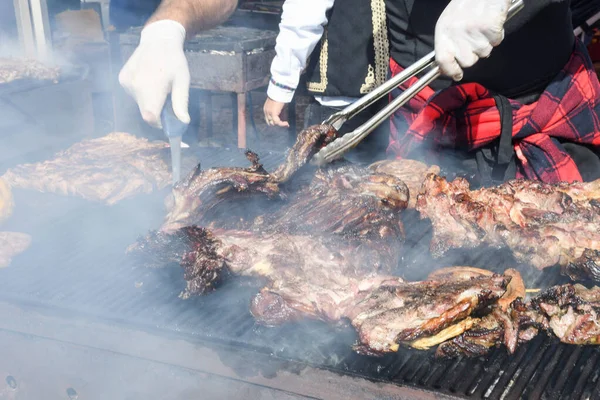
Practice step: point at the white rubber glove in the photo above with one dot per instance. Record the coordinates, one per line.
(466, 31)
(156, 68)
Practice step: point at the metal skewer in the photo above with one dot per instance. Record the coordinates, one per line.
(342, 145)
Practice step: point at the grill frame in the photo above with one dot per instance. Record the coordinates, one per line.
(78, 289)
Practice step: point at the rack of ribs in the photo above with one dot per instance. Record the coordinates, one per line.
(12, 69)
(106, 169)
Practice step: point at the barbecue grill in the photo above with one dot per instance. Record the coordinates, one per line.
(80, 319)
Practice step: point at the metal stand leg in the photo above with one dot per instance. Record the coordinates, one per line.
(241, 120)
(234, 112)
(25, 27)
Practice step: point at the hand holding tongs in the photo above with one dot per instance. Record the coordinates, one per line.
(342, 145)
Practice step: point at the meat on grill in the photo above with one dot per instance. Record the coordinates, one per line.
(331, 279)
(11, 245)
(411, 172)
(491, 330)
(194, 198)
(410, 312)
(344, 200)
(542, 224)
(325, 252)
(573, 312)
(569, 312)
(12, 69)
(107, 169)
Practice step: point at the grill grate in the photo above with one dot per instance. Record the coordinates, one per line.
(77, 265)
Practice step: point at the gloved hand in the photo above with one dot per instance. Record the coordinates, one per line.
(272, 110)
(156, 68)
(466, 31)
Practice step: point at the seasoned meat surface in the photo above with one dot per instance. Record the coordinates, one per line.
(330, 279)
(344, 200)
(107, 169)
(12, 69)
(573, 313)
(410, 311)
(326, 244)
(195, 198)
(542, 224)
(308, 143)
(411, 172)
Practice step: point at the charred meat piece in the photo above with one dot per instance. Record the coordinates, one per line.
(308, 143)
(12, 69)
(410, 311)
(340, 199)
(314, 275)
(344, 200)
(333, 280)
(107, 169)
(194, 197)
(516, 325)
(573, 313)
(411, 172)
(477, 341)
(570, 312)
(542, 224)
(515, 289)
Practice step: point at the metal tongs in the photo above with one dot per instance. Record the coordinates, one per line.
(341, 146)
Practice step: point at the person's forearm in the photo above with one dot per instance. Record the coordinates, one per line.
(195, 15)
(301, 28)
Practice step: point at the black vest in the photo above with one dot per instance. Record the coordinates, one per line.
(539, 41)
(352, 58)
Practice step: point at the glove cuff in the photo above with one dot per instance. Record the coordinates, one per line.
(163, 30)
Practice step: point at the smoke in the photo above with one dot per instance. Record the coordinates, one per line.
(77, 260)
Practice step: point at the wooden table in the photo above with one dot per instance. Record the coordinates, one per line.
(225, 59)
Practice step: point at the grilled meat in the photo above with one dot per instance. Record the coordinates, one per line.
(411, 172)
(508, 322)
(12, 244)
(293, 263)
(570, 312)
(107, 169)
(308, 143)
(196, 199)
(344, 200)
(573, 312)
(410, 311)
(542, 224)
(516, 325)
(515, 289)
(332, 279)
(12, 69)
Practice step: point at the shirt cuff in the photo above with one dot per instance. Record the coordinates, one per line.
(279, 92)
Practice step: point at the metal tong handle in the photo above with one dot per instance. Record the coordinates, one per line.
(340, 146)
(337, 120)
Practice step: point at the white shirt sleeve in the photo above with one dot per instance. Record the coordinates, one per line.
(301, 28)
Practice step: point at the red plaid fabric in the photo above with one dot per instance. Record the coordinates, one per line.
(465, 116)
